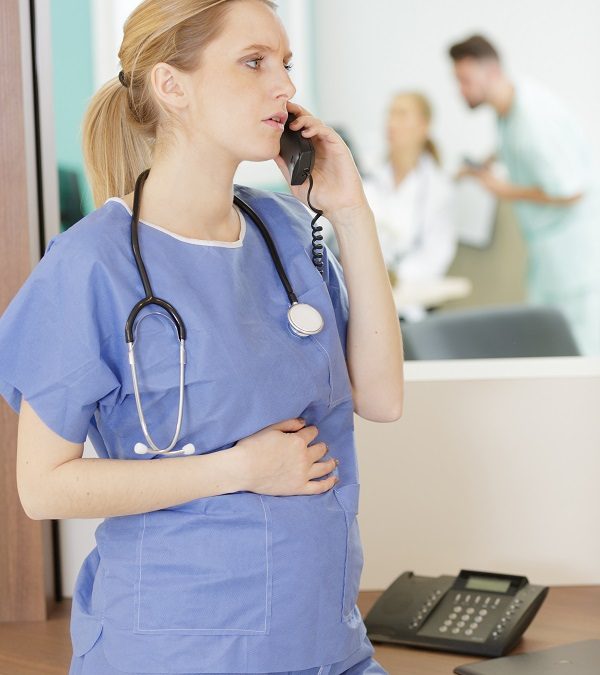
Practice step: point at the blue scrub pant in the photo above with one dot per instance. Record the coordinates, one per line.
(359, 662)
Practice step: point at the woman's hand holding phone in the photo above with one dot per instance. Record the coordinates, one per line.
(337, 183)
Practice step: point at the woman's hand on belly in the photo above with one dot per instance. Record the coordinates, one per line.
(278, 460)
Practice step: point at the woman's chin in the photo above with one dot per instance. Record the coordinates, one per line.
(263, 155)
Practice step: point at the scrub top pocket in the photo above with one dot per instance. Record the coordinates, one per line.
(348, 497)
(86, 620)
(214, 576)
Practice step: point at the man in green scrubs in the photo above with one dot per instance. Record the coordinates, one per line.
(554, 185)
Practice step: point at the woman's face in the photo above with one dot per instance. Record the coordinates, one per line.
(242, 81)
(407, 127)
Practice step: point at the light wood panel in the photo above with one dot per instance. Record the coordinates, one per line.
(26, 565)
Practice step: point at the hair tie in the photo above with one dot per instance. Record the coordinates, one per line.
(122, 79)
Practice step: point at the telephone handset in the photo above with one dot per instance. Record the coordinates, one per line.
(299, 155)
(297, 152)
(474, 613)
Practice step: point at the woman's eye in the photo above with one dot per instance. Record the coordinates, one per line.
(256, 60)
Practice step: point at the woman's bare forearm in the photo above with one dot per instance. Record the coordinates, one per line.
(101, 488)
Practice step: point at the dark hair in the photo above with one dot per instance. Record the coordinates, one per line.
(475, 47)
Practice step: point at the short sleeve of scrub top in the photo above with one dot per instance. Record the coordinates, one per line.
(233, 583)
(51, 344)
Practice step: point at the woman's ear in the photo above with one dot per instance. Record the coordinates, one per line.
(167, 83)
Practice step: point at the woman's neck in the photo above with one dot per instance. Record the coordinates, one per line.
(403, 161)
(190, 196)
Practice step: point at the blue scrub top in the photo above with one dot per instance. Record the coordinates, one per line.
(241, 582)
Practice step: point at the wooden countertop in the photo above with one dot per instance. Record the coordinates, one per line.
(569, 614)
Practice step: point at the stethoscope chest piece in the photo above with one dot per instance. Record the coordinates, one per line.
(304, 320)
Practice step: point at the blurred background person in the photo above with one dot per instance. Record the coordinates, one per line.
(411, 198)
(552, 182)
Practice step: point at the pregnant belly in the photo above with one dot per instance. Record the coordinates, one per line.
(237, 564)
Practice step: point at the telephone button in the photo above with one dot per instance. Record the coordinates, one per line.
(453, 615)
(456, 631)
(442, 629)
(469, 632)
(470, 611)
(458, 609)
(461, 624)
(473, 626)
(447, 622)
(483, 612)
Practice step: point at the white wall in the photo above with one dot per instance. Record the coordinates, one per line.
(367, 50)
(498, 475)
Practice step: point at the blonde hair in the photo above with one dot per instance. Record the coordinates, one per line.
(120, 123)
(426, 111)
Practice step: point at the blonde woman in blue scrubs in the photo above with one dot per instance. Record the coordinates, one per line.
(246, 556)
(553, 183)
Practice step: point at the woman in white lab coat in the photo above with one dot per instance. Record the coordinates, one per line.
(411, 198)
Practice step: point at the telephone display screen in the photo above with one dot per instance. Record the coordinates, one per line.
(486, 584)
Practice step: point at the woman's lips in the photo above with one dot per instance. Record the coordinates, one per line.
(274, 124)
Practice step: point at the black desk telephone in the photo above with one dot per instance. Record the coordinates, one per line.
(474, 613)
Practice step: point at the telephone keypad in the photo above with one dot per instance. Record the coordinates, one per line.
(467, 616)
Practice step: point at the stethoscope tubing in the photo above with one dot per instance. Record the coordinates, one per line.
(303, 319)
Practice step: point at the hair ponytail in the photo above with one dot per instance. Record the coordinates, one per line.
(431, 148)
(115, 149)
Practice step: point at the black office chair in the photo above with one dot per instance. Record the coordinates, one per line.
(497, 332)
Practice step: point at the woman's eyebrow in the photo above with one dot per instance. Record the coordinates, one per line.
(265, 48)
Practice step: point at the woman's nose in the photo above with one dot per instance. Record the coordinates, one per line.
(286, 86)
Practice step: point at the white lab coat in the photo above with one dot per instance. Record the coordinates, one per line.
(414, 220)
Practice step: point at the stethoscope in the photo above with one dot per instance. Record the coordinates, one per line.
(303, 320)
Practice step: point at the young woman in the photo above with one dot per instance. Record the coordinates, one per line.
(411, 197)
(238, 549)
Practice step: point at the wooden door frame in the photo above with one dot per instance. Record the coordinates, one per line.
(28, 570)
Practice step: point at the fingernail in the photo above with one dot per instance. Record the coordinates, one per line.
(301, 420)
(337, 461)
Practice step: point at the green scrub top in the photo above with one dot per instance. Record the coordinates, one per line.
(542, 145)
